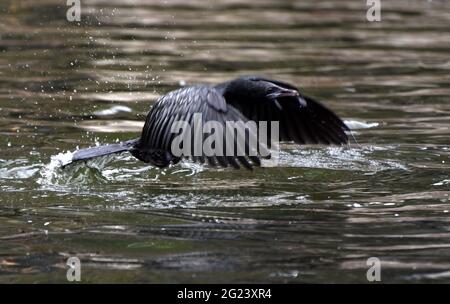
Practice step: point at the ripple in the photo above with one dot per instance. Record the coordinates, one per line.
(113, 111)
(355, 124)
(341, 158)
(321, 209)
(16, 169)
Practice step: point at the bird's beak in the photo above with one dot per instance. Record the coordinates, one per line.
(283, 93)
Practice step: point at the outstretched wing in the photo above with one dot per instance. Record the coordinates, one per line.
(301, 118)
(196, 105)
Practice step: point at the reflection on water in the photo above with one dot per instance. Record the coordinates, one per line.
(316, 218)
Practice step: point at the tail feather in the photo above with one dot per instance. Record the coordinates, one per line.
(88, 153)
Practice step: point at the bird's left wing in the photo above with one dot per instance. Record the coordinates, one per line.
(195, 105)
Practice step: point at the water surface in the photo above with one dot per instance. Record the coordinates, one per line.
(316, 218)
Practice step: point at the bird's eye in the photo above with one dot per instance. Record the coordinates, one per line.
(272, 90)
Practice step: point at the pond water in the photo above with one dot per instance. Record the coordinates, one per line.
(317, 217)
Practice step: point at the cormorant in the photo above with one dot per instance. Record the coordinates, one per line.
(301, 120)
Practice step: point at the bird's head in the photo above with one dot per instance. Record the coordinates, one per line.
(258, 89)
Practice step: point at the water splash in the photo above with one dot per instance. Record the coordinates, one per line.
(59, 173)
(124, 167)
(119, 167)
(50, 171)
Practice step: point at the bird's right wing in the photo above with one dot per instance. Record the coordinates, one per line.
(301, 118)
(196, 105)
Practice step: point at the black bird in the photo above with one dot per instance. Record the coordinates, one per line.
(301, 120)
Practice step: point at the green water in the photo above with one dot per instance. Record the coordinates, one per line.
(316, 218)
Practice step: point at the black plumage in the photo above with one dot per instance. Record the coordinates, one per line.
(301, 120)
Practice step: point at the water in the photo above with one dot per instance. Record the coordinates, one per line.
(316, 218)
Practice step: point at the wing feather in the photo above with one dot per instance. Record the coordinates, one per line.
(310, 124)
(182, 104)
